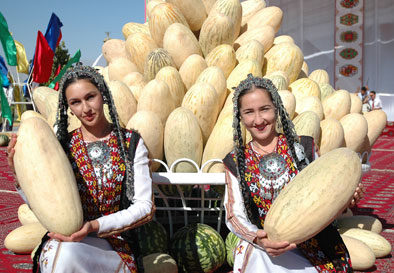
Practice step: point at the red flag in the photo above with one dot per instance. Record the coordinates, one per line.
(57, 73)
(43, 60)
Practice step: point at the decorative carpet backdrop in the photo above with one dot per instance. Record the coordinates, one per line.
(378, 202)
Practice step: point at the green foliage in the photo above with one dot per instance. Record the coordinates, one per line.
(61, 58)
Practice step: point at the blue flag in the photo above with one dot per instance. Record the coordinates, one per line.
(53, 33)
(4, 72)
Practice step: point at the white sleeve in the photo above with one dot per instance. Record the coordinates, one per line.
(142, 208)
(236, 218)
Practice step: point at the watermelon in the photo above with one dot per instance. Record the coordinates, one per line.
(198, 248)
(4, 139)
(232, 242)
(152, 238)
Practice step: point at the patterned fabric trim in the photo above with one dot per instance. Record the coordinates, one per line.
(248, 254)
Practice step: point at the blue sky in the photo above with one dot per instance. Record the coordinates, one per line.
(84, 22)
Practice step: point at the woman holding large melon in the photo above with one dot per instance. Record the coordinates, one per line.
(255, 175)
(110, 165)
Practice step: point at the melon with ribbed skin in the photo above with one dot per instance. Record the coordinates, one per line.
(183, 139)
(231, 8)
(193, 10)
(320, 76)
(241, 72)
(264, 34)
(355, 128)
(217, 29)
(180, 42)
(337, 105)
(203, 101)
(149, 125)
(361, 255)
(377, 120)
(215, 76)
(355, 103)
(305, 87)
(360, 221)
(152, 238)
(232, 242)
(198, 248)
(26, 215)
(282, 39)
(149, 7)
(309, 103)
(41, 96)
(310, 193)
(252, 50)
(250, 8)
(53, 197)
(332, 135)
(130, 28)
(120, 67)
(156, 97)
(224, 57)
(161, 17)
(139, 45)
(125, 103)
(325, 89)
(174, 81)
(134, 79)
(286, 57)
(379, 245)
(279, 81)
(24, 239)
(159, 262)
(191, 68)
(155, 61)
(269, 16)
(114, 48)
(289, 102)
(308, 124)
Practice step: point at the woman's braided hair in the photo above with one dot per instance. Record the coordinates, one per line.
(248, 85)
(81, 72)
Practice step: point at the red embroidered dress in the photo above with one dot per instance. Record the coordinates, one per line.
(259, 193)
(103, 197)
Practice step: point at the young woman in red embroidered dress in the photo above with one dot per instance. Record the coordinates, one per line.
(255, 175)
(111, 168)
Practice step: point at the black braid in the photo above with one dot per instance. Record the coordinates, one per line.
(62, 122)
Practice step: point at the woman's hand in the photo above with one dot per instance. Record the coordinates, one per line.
(273, 249)
(358, 195)
(88, 227)
(11, 152)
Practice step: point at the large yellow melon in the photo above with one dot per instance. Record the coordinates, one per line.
(309, 103)
(180, 42)
(131, 27)
(361, 254)
(355, 103)
(360, 221)
(125, 103)
(41, 96)
(252, 50)
(241, 72)
(174, 81)
(282, 39)
(325, 89)
(264, 34)
(355, 128)
(156, 97)
(250, 8)
(337, 105)
(161, 17)
(231, 8)
(289, 102)
(270, 16)
(114, 48)
(279, 81)
(155, 61)
(191, 69)
(305, 87)
(193, 10)
(24, 239)
(377, 120)
(53, 197)
(307, 204)
(139, 45)
(320, 76)
(26, 215)
(120, 67)
(308, 124)
(208, 4)
(224, 57)
(30, 113)
(134, 78)
(183, 139)
(149, 7)
(286, 57)
(215, 76)
(217, 29)
(149, 125)
(203, 101)
(332, 135)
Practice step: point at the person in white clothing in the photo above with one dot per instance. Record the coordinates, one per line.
(374, 101)
(256, 172)
(111, 167)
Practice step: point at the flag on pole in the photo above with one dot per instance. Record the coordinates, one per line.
(7, 42)
(43, 60)
(23, 64)
(74, 59)
(56, 87)
(5, 107)
(53, 33)
(4, 73)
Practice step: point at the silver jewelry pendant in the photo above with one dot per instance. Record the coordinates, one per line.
(272, 166)
(98, 152)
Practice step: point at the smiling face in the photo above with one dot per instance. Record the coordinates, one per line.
(86, 102)
(258, 114)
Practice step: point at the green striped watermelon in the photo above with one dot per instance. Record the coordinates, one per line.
(4, 139)
(232, 242)
(198, 248)
(152, 238)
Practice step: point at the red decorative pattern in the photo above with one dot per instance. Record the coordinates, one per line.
(349, 19)
(348, 4)
(348, 70)
(349, 36)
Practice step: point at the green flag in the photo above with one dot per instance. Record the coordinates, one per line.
(74, 59)
(5, 108)
(7, 42)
